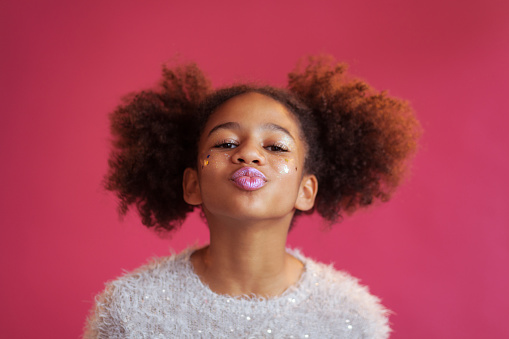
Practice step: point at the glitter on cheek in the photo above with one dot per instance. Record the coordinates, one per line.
(205, 161)
(213, 160)
(285, 169)
(283, 166)
(226, 158)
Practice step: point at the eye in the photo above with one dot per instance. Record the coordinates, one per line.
(225, 144)
(277, 148)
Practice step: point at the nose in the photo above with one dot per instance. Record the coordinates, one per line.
(248, 153)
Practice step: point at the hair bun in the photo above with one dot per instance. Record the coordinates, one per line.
(365, 137)
(152, 146)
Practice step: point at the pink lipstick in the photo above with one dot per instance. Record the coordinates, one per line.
(249, 179)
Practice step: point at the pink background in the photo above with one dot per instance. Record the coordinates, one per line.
(437, 254)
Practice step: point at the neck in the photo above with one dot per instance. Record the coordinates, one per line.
(247, 259)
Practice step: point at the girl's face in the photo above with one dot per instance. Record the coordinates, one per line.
(250, 162)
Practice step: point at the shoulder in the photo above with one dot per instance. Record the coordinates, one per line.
(344, 301)
(150, 277)
(156, 272)
(130, 298)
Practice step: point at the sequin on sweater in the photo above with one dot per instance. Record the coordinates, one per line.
(166, 299)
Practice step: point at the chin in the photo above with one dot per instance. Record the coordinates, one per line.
(249, 207)
(250, 214)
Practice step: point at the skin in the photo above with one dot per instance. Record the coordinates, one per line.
(248, 229)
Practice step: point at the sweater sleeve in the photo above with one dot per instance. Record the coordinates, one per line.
(104, 320)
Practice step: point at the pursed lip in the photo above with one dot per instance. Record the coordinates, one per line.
(248, 178)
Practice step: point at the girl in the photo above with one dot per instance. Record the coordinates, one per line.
(252, 159)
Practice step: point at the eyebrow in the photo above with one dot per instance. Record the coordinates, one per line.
(236, 126)
(226, 125)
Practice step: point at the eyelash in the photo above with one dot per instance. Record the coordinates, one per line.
(277, 148)
(228, 145)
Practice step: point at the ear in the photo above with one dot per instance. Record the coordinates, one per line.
(191, 186)
(307, 193)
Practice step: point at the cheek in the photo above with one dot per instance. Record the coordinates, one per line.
(209, 161)
(286, 167)
(205, 161)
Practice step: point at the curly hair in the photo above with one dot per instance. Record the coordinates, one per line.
(358, 140)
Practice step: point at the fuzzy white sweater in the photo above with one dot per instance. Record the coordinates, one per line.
(166, 299)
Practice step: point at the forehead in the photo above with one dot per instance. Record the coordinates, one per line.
(251, 109)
